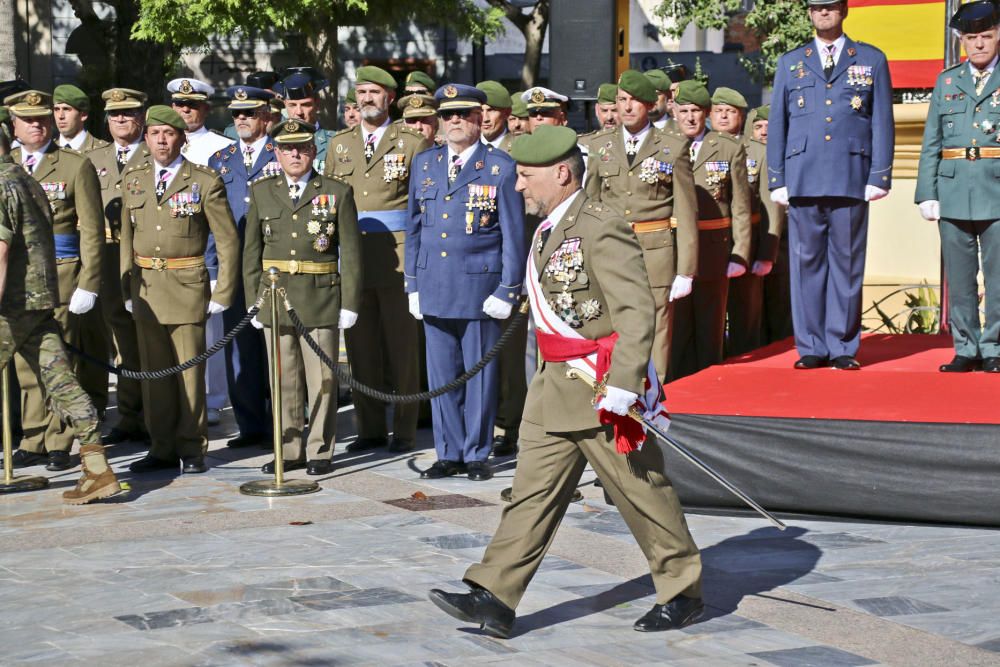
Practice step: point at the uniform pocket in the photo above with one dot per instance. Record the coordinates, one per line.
(482, 262)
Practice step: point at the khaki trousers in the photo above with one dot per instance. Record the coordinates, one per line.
(121, 329)
(306, 382)
(664, 317)
(548, 469)
(513, 380)
(699, 328)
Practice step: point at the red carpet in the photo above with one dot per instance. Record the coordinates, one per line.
(899, 382)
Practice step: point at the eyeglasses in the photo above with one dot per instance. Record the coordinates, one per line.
(461, 113)
(125, 113)
(541, 113)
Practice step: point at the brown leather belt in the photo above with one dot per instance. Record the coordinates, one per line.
(67, 260)
(168, 263)
(654, 225)
(294, 266)
(714, 223)
(971, 153)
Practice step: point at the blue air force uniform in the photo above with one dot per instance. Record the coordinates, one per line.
(464, 243)
(829, 138)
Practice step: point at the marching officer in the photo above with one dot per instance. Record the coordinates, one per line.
(645, 174)
(496, 111)
(70, 184)
(464, 265)
(70, 110)
(252, 157)
(718, 162)
(299, 89)
(957, 186)
(169, 206)
(375, 159)
(420, 114)
(124, 110)
(606, 108)
(305, 225)
(829, 153)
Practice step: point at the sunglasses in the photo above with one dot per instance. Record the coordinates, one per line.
(541, 113)
(240, 113)
(461, 113)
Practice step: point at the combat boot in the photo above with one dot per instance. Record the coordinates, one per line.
(98, 479)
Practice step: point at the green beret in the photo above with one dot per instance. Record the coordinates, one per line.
(518, 107)
(293, 131)
(164, 115)
(762, 113)
(420, 79)
(71, 95)
(723, 95)
(372, 74)
(659, 79)
(545, 145)
(637, 85)
(351, 97)
(692, 92)
(496, 95)
(607, 93)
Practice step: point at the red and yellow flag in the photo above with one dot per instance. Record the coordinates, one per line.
(910, 32)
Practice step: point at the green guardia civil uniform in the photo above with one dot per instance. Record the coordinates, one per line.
(70, 184)
(31, 292)
(382, 347)
(314, 242)
(163, 274)
(724, 232)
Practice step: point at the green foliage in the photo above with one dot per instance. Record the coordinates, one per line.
(921, 313)
(679, 14)
(699, 73)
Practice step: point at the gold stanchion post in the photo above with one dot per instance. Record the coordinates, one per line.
(10, 483)
(279, 486)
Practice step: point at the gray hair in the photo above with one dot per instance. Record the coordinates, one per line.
(574, 162)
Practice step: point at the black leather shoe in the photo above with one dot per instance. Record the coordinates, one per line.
(959, 364)
(676, 614)
(319, 467)
(152, 464)
(846, 363)
(479, 471)
(478, 606)
(193, 465)
(23, 458)
(810, 361)
(117, 435)
(268, 468)
(991, 365)
(362, 444)
(442, 469)
(505, 445)
(252, 440)
(400, 445)
(58, 461)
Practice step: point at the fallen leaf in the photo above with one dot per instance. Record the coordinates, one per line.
(419, 495)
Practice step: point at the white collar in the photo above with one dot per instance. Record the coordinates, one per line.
(838, 47)
(378, 131)
(172, 167)
(304, 180)
(556, 216)
(496, 142)
(256, 146)
(197, 133)
(129, 148)
(662, 122)
(464, 156)
(989, 68)
(640, 135)
(76, 142)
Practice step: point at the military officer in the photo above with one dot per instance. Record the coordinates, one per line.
(829, 153)
(660, 115)
(70, 183)
(420, 114)
(352, 116)
(299, 89)
(189, 98)
(376, 159)
(606, 108)
(124, 110)
(517, 122)
(561, 431)
(645, 174)
(251, 158)
(169, 206)
(724, 229)
(464, 265)
(729, 111)
(305, 225)
(28, 294)
(496, 111)
(265, 81)
(956, 186)
(70, 110)
(420, 83)
(545, 107)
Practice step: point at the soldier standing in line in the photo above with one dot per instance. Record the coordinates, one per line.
(719, 164)
(517, 122)
(70, 183)
(124, 110)
(352, 115)
(298, 90)
(606, 108)
(305, 225)
(375, 159)
(420, 115)
(169, 206)
(660, 115)
(419, 83)
(264, 81)
(70, 111)
(496, 111)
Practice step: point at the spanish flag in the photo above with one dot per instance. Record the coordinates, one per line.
(910, 32)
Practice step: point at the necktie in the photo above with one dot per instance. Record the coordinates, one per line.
(544, 230)
(161, 183)
(248, 157)
(370, 147)
(693, 151)
(828, 63)
(29, 164)
(456, 166)
(981, 78)
(293, 192)
(122, 157)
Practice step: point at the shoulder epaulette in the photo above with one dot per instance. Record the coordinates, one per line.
(203, 168)
(334, 177)
(346, 130)
(409, 130)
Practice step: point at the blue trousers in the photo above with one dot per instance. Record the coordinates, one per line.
(463, 418)
(827, 239)
(246, 372)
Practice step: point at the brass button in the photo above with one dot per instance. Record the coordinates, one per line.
(885, 178)
(157, 248)
(444, 235)
(363, 233)
(291, 251)
(628, 211)
(447, 197)
(159, 208)
(444, 254)
(364, 194)
(829, 120)
(367, 175)
(510, 295)
(827, 137)
(978, 109)
(829, 85)
(444, 215)
(246, 199)
(829, 102)
(118, 186)
(630, 173)
(774, 179)
(295, 235)
(295, 216)
(629, 194)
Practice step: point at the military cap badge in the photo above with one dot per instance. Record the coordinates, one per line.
(416, 102)
(809, 52)
(451, 91)
(537, 96)
(33, 99)
(240, 94)
(851, 51)
(292, 126)
(186, 87)
(117, 95)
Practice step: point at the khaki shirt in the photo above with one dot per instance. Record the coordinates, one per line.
(105, 160)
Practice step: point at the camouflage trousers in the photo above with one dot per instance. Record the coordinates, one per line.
(35, 334)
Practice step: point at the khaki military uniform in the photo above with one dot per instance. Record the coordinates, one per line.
(117, 320)
(655, 192)
(382, 347)
(561, 433)
(724, 231)
(745, 306)
(315, 245)
(92, 143)
(70, 183)
(163, 273)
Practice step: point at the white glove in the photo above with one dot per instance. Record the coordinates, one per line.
(873, 193)
(255, 323)
(735, 270)
(496, 308)
(348, 318)
(930, 209)
(762, 267)
(780, 196)
(681, 287)
(81, 301)
(128, 305)
(215, 308)
(617, 401)
(212, 284)
(415, 305)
